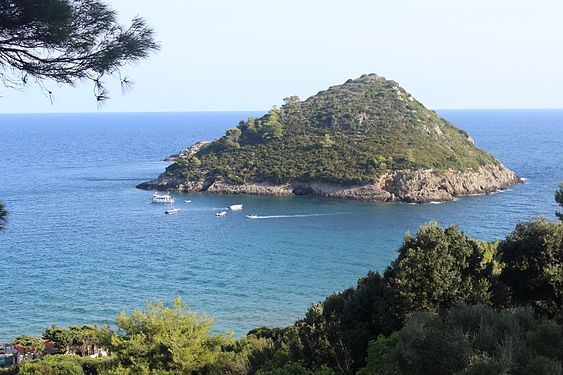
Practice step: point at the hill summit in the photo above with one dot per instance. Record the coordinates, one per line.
(366, 139)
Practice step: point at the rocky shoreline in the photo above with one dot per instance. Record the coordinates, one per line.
(409, 186)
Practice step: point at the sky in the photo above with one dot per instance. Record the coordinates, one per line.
(228, 55)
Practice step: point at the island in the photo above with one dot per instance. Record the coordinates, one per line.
(367, 139)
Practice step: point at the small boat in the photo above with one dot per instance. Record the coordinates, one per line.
(253, 216)
(235, 207)
(172, 211)
(188, 201)
(162, 198)
(221, 213)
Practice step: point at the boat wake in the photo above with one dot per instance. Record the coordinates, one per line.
(287, 216)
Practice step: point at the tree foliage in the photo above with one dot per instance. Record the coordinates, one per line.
(67, 40)
(559, 200)
(435, 269)
(78, 339)
(66, 365)
(533, 271)
(162, 338)
(469, 340)
(33, 344)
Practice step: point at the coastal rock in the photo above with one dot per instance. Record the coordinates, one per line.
(410, 186)
(187, 151)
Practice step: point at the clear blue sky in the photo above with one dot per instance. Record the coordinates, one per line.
(249, 54)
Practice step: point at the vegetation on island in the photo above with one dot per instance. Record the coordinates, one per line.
(449, 304)
(348, 134)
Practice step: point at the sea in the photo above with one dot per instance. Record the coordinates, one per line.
(82, 243)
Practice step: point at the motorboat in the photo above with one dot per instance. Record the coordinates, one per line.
(188, 201)
(163, 198)
(253, 216)
(221, 213)
(235, 207)
(172, 211)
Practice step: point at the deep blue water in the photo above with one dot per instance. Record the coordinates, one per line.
(82, 243)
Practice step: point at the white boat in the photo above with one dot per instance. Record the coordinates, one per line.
(188, 201)
(253, 216)
(221, 213)
(235, 207)
(172, 211)
(162, 198)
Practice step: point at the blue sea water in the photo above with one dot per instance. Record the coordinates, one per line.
(82, 243)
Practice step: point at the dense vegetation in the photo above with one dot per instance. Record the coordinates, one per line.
(469, 340)
(559, 200)
(350, 133)
(447, 304)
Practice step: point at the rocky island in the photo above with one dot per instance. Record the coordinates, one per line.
(366, 139)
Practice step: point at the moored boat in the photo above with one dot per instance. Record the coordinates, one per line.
(235, 207)
(221, 213)
(162, 198)
(172, 211)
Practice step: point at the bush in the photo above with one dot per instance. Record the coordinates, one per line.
(469, 340)
(533, 271)
(65, 365)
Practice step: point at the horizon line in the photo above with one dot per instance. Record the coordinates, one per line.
(265, 110)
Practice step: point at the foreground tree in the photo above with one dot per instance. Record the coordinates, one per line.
(533, 270)
(30, 343)
(65, 41)
(81, 340)
(435, 269)
(559, 200)
(61, 364)
(172, 340)
(469, 340)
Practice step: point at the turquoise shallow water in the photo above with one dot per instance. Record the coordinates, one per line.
(82, 243)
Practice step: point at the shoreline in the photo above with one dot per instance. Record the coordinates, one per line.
(406, 186)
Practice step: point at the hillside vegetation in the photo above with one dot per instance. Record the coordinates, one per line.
(349, 134)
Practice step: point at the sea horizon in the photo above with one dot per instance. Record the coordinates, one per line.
(263, 111)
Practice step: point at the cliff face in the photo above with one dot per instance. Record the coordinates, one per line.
(366, 139)
(411, 186)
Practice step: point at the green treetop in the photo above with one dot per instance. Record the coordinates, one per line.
(559, 200)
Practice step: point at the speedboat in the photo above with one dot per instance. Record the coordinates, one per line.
(221, 213)
(253, 216)
(188, 201)
(235, 207)
(172, 211)
(162, 198)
